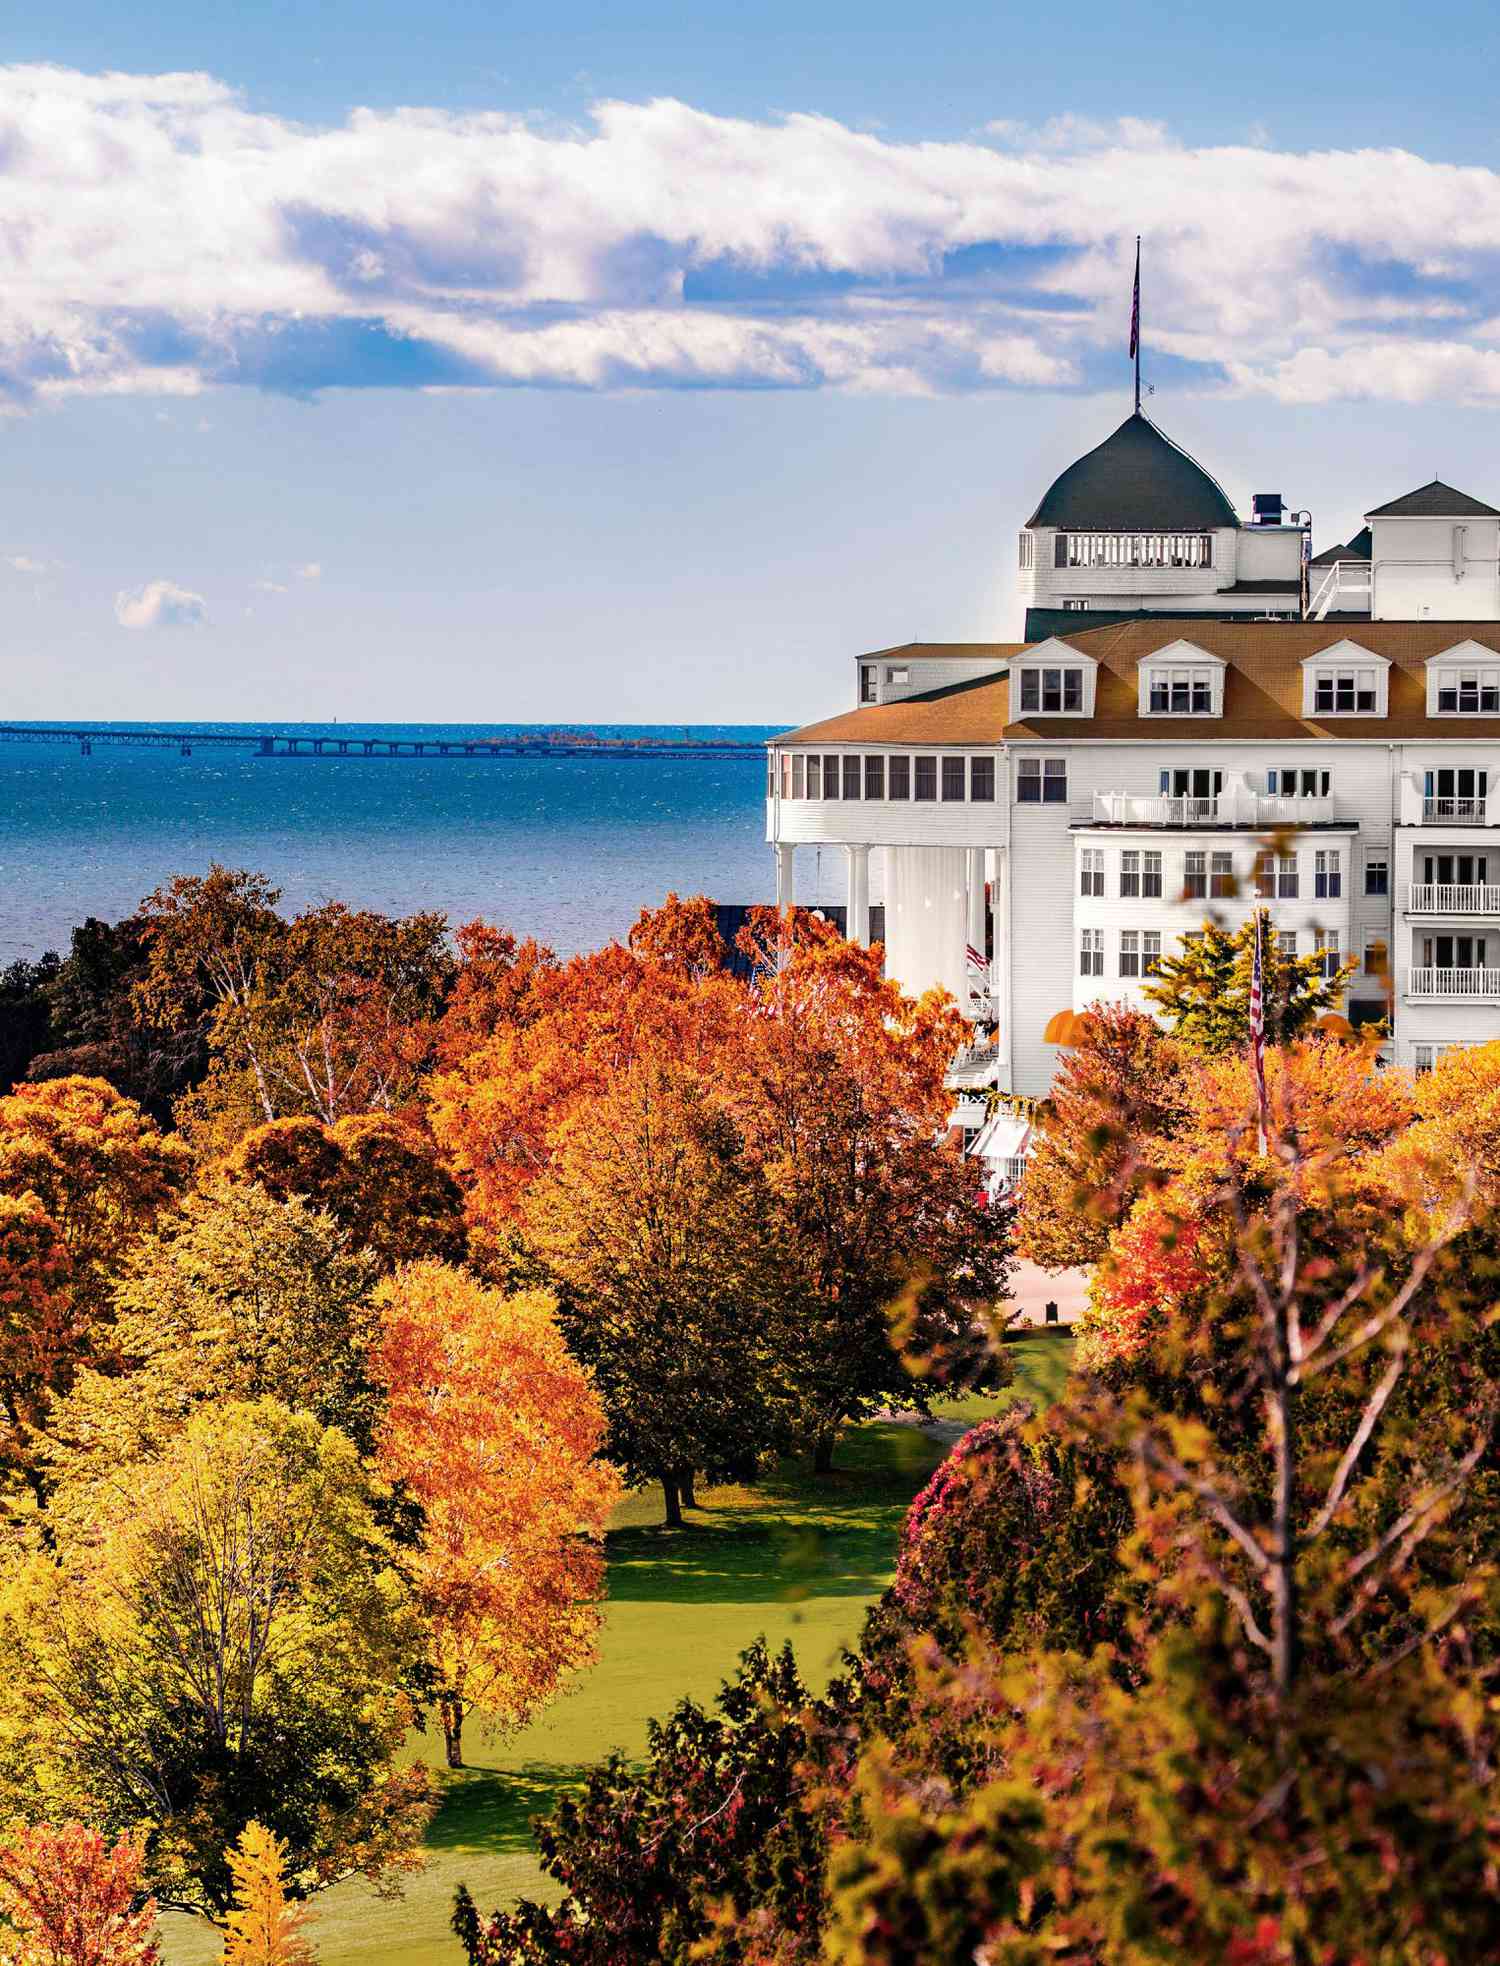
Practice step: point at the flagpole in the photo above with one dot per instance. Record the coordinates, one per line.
(1136, 336)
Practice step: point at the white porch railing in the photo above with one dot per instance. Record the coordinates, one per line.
(1482, 985)
(1008, 1173)
(1446, 898)
(1237, 806)
(1462, 812)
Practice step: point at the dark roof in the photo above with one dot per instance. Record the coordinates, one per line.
(1434, 501)
(1358, 548)
(1136, 480)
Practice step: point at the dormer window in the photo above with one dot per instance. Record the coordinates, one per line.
(1052, 692)
(1345, 693)
(1182, 693)
(1180, 681)
(1344, 681)
(1469, 693)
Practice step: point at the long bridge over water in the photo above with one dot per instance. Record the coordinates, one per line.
(341, 744)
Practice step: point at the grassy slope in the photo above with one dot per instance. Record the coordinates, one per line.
(791, 1558)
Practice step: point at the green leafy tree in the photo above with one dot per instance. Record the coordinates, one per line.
(1203, 993)
(221, 1639)
(241, 1297)
(657, 1232)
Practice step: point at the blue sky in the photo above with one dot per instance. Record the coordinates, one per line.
(582, 362)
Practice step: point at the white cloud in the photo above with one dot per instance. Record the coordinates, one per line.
(269, 586)
(312, 571)
(160, 604)
(29, 563)
(162, 238)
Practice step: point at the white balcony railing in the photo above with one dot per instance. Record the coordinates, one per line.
(1455, 812)
(1448, 898)
(1234, 807)
(1479, 985)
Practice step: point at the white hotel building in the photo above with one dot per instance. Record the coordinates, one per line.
(1192, 686)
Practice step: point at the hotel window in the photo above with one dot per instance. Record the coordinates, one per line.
(982, 780)
(1130, 873)
(1377, 958)
(1265, 876)
(1328, 879)
(954, 773)
(1091, 870)
(851, 778)
(1221, 883)
(1028, 551)
(1197, 782)
(926, 789)
(1286, 942)
(770, 774)
(1455, 792)
(1151, 876)
(1328, 949)
(1052, 692)
(799, 776)
(830, 777)
(815, 776)
(868, 693)
(898, 774)
(1042, 781)
(1181, 692)
(1377, 876)
(1091, 952)
(1425, 1056)
(1469, 692)
(874, 777)
(1288, 885)
(899, 677)
(1345, 693)
(1195, 877)
(1297, 782)
(786, 774)
(1140, 951)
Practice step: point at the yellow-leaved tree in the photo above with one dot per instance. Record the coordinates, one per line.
(263, 1929)
(494, 1429)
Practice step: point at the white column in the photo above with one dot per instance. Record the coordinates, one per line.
(975, 873)
(857, 926)
(786, 893)
(1004, 992)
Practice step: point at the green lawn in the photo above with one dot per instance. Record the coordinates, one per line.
(792, 1558)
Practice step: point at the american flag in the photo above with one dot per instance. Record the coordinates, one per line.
(1135, 306)
(974, 959)
(1258, 1022)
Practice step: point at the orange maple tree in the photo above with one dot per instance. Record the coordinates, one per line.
(494, 1430)
(102, 1171)
(72, 1899)
(43, 1336)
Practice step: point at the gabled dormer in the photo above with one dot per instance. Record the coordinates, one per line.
(1345, 680)
(1464, 681)
(1180, 681)
(1053, 679)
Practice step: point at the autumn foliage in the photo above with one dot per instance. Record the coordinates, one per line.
(494, 1430)
(70, 1897)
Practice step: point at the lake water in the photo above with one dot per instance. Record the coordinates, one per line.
(569, 849)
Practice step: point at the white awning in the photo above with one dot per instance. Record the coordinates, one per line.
(1006, 1137)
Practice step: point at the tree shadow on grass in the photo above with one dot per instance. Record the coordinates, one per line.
(794, 1536)
(491, 1809)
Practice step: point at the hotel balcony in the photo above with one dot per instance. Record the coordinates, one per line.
(1235, 806)
(1452, 986)
(1443, 898)
(1455, 812)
